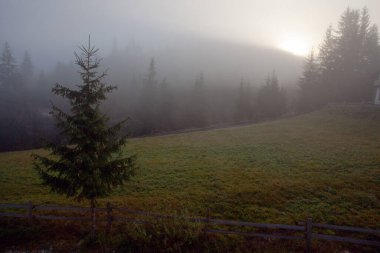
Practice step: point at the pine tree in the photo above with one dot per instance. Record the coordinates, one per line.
(240, 115)
(351, 64)
(327, 65)
(8, 68)
(310, 97)
(370, 62)
(245, 103)
(198, 103)
(271, 99)
(364, 25)
(26, 68)
(147, 111)
(150, 80)
(41, 91)
(165, 106)
(349, 59)
(85, 167)
(249, 103)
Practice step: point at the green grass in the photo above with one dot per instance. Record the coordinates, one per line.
(324, 165)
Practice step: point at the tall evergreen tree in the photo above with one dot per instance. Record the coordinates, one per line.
(240, 104)
(244, 108)
(42, 91)
(17, 114)
(198, 103)
(364, 24)
(310, 95)
(165, 107)
(85, 166)
(271, 101)
(356, 56)
(348, 55)
(148, 101)
(8, 68)
(370, 62)
(348, 61)
(26, 68)
(327, 65)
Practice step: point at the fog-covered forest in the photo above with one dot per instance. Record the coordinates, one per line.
(196, 83)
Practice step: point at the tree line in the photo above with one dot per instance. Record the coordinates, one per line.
(21, 122)
(151, 105)
(343, 70)
(346, 66)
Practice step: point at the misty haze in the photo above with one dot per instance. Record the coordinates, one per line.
(190, 126)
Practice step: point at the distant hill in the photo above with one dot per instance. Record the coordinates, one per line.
(181, 59)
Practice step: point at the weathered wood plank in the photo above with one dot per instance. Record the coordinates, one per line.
(138, 212)
(198, 220)
(347, 228)
(109, 218)
(30, 212)
(20, 206)
(157, 215)
(18, 215)
(309, 234)
(62, 208)
(288, 237)
(131, 220)
(51, 217)
(256, 225)
(215, 221)
(346, 239)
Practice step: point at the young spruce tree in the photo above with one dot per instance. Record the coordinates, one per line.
(86, 168)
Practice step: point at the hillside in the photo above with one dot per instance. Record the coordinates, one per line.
(324, 165)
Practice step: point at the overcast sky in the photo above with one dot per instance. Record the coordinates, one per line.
(52, 28)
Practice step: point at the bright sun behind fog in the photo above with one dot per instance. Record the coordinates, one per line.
(295, 44)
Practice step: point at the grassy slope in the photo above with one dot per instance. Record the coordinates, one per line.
(325, 165)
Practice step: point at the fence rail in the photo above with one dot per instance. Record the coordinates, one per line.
(301, 231)
(344, 228)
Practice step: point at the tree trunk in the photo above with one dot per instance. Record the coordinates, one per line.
(93, 226)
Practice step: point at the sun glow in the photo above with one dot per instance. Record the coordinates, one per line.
(295, 45)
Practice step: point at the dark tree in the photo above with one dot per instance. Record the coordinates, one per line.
(147, 111)
(244, 105)
(16, 116)
(240, 104)
(348, 56)
(310, 97)
(327, 65)
(348, 63)
(26, 68)
(42, 90)
(356, 57)
(85, 167)
(165, 107)
(198, 103)
(370, 62)
(8, 68)
(271, 100)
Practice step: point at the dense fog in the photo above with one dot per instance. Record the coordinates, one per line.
(168, 77)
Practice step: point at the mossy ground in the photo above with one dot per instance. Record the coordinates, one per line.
(324, 165)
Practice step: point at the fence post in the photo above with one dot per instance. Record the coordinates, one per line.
(207, 223)
(308, 231)
(109, 217)
(30, 212)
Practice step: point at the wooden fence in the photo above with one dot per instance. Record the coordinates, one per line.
(301, 231)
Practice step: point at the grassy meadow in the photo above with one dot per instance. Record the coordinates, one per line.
(324, 165)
